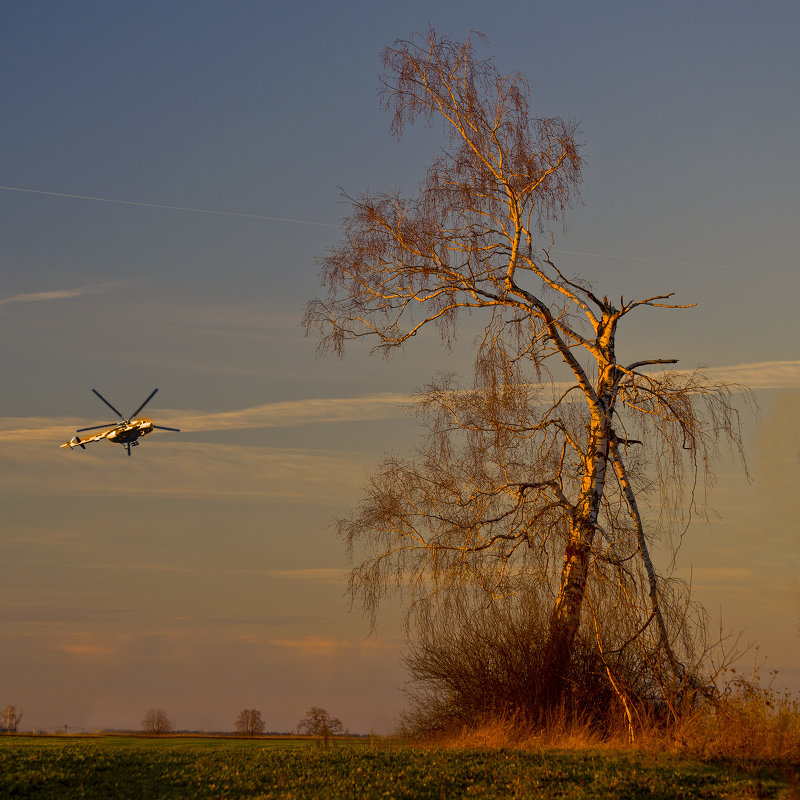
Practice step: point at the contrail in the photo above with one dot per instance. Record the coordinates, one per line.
(335, 225)
(170, 207)
(652, 260)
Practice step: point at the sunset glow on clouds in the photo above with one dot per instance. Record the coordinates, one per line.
(385, 406)
(57, 294)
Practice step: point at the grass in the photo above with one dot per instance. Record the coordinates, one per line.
(193, 767)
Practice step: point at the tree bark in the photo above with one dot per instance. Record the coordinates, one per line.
(566, 617)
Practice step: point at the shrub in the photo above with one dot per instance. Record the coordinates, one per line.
(473, 664)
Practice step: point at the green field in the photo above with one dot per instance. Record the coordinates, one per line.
(189, 767)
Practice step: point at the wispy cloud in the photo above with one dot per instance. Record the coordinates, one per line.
(83, 644)
(27, 614)
(58, 294)
(80, 620)
(313, 574)
(754, 375)
(309, 574)
(679, 262)
(188, 469)
(760, 374)
(325, 646)
(162, 644)
(33, 429)
(87, 650)
(293, 413)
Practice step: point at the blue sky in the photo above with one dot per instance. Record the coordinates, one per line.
(202, 575)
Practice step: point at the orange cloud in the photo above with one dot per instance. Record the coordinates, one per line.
(323, 646)
(57, 294)
(87, 650)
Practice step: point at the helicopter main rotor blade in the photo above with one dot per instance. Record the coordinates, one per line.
(150, 397)
(108, 404)
(94, 427)
(165, 428)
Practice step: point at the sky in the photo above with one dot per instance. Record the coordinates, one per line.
(169, 175)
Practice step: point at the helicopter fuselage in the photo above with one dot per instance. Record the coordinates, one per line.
(129, 431)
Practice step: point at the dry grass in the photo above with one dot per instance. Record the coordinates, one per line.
(747, 724)
(494, 733)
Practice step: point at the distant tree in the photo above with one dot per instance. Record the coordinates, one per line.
(318, 722)
(9, 719)
(156, 722)
(249, 722)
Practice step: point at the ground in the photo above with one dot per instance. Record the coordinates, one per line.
(196, 767)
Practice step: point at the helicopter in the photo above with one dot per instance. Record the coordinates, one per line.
(126, 433)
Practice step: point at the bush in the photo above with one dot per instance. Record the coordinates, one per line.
(473, 664)
(476, 672)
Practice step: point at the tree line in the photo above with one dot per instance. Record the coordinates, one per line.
(156, 722)
(317, 722)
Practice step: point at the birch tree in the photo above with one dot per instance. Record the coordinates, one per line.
(535, 473)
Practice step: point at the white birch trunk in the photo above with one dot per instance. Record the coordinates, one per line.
(566, 617)
(575, 569)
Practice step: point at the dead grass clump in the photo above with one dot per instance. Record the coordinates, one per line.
(750, 724)
(560, 730)
(746, 722)
(491, 733)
